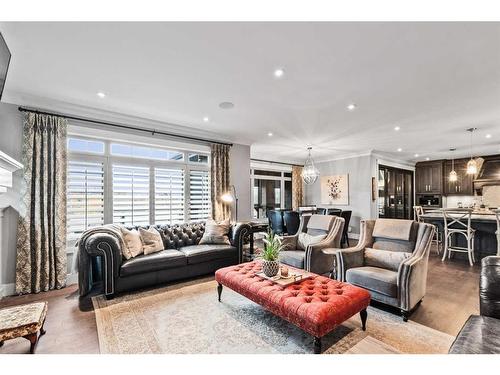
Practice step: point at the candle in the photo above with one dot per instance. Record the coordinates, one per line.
(284, 271)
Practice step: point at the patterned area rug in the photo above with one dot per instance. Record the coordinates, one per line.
(187, 318)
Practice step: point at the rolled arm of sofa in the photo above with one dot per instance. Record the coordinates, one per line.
(107, 247)
(238, 233)
(489, 287)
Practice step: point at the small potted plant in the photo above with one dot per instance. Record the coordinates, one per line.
(269, 255)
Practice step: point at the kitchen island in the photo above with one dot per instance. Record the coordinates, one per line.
(485, 224)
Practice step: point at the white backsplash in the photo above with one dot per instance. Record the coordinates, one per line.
(490, 198)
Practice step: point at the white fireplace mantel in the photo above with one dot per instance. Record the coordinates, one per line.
(8, 165)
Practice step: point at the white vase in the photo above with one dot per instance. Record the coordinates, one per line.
(270, 267)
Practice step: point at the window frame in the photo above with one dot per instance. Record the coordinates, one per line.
(109, 160)
(280, 178)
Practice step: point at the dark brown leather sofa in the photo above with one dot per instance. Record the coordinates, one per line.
(100, 258)
(481, 333)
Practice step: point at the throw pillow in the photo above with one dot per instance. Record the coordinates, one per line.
(304, 240)
(133, 243)
(216, 233)
(151, 240)
(389, 260)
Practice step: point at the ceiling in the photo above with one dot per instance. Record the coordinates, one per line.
(433, 80)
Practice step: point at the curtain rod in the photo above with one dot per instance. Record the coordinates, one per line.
(277, 162)
(129, 127)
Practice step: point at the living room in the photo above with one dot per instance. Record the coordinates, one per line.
(193, 186)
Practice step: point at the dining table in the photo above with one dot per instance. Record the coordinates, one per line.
(483, 221)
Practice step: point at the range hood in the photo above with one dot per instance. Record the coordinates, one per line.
(489, 174)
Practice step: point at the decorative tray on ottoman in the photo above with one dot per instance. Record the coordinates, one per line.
(294, 276)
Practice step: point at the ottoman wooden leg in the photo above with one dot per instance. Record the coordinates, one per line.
(317, 345)
(219, 290)
(363, 314)
(1, 344)
(33, 339)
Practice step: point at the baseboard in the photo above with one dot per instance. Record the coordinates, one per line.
(10, 289)
(72, 278)
(7, 290)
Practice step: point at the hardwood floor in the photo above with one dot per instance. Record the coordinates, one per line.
(452, 295)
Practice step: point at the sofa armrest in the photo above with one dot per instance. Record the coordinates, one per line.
(348, 258)
(489, 287)
(412, 281)
(107, 247)
(238, 233)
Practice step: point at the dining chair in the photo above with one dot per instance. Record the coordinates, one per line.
(345, 234)
(276, 221)
(334, 211)
(457, 221)
(321, 211)
(291, 220)
(419, 211)
(497, 214)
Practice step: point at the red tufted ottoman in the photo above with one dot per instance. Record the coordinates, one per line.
(316, 305)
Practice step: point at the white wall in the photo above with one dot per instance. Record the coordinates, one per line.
(360, 173)
(10, 143)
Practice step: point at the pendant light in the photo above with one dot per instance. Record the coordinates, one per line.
(453, 175)
(472, 164)
(309, 173)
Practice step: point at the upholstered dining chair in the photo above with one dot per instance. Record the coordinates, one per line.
(292, 222)
(334, 211)
(276, 221)
(390, 261)
(345, 233)
(315, 233)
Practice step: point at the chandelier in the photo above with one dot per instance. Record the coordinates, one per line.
(309, 173)
(471, 164)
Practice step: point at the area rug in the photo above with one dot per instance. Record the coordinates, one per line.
(187, 318)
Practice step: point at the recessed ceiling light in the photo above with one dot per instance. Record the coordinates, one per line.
(397, 128)
(270, 134)
(278, 73)
(226, 105)
(400, 149)
(488, 135)
(351, 107)
(427, 158)
(416, 155)
(101, 95)
(206, 119)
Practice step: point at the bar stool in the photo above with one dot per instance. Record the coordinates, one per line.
(454, 224)
(497, 213)
(419, 211)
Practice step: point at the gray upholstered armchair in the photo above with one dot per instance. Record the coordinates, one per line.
(304, 249)
(390, 261)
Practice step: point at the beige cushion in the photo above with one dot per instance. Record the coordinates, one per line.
(389, 260)
(216, 232)
(304, 240)
(133, 243)
(151, 240)
(395, 229)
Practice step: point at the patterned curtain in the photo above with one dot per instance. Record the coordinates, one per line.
(41, 231)
(297, 187)
(219, 180)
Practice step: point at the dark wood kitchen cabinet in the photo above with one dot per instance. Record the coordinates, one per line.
(464, 184)
(429, 177)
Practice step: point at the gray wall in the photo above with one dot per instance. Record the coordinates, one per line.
(10, 143)
(240, 178)
(360, 171)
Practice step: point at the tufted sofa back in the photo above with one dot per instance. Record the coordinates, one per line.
(178, 235)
